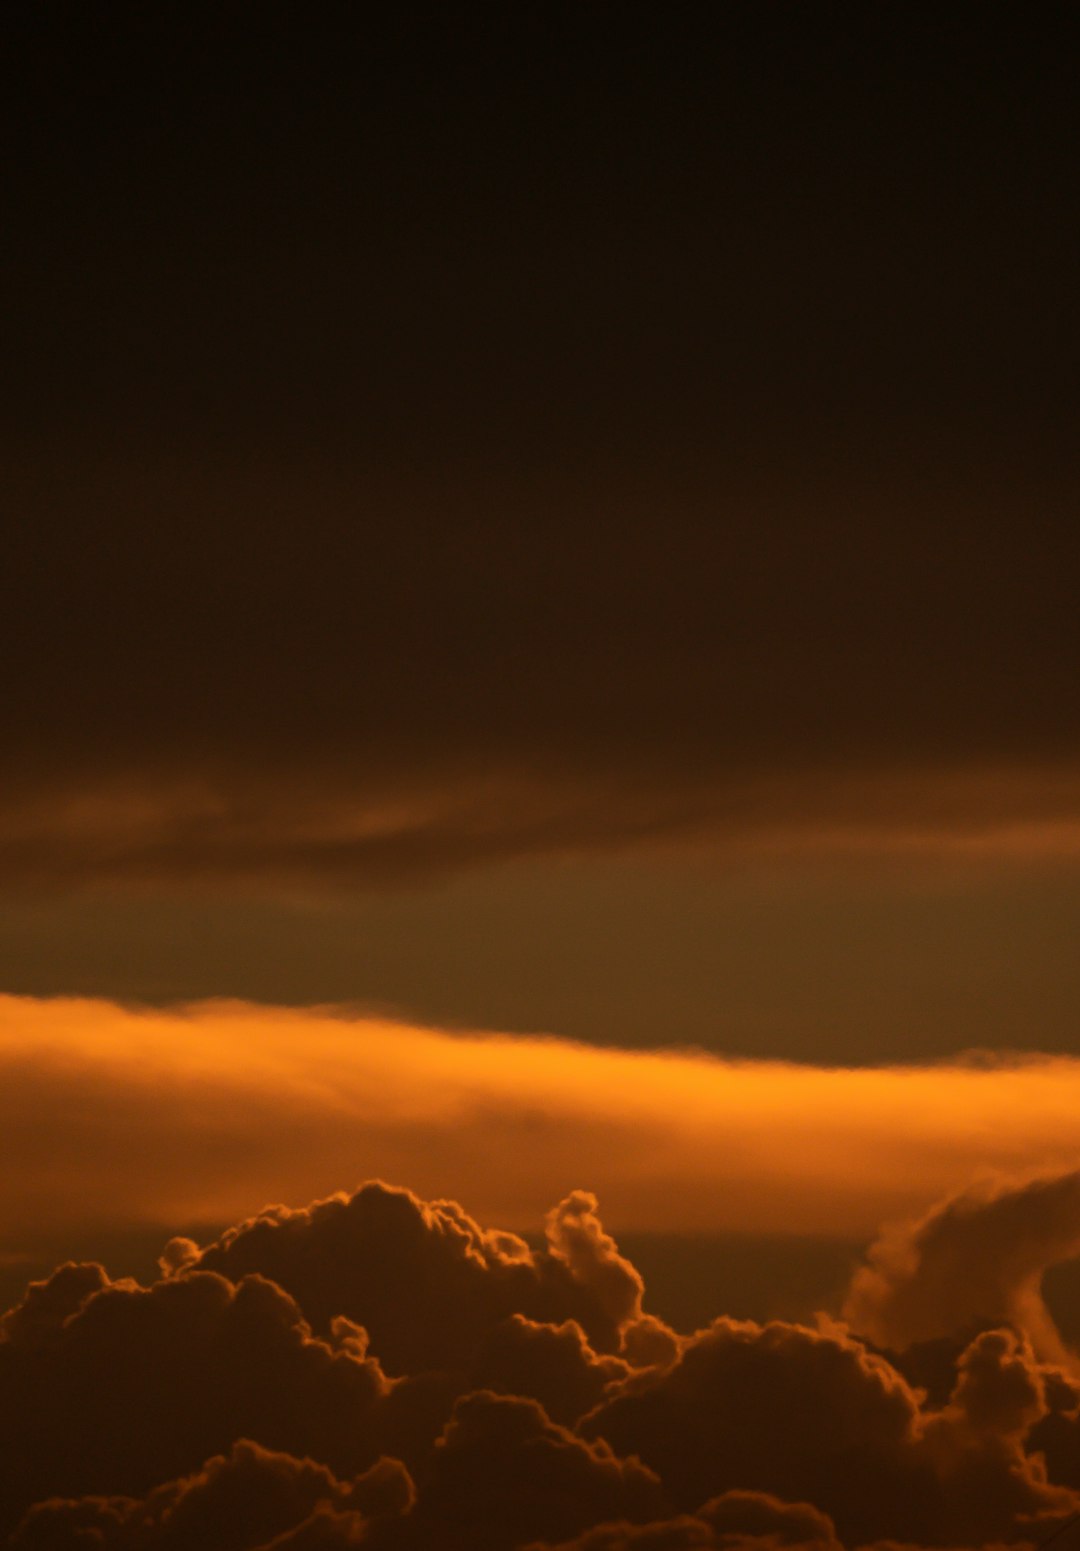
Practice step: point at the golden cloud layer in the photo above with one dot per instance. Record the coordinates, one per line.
(208, 1111)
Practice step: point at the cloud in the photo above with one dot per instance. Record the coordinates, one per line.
(983, 1449)
(136, 1414)
(249, 1497)
(999, 1389)
(137, 1386)
(204, 1113)
(976, 1258)
(814, 1416)
(591, 495)
(503, 1474)
(46, 1306)
(554, 1364)
(778, 1409)
(577, 1238)
(86, 1363)
(500, 1474)
(515, 687)
(743, 1519)
(428, 1284)
(241, 831)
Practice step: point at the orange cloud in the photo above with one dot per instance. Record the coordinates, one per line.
(206, 1112)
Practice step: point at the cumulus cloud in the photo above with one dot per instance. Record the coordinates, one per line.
(500, 1474)
(136, 1386)
(780, 1409)
(983, 1449)
(814, 1415)
(425, 1280)
(503, 1474)
(976, 1258)
(249, 1497)
(552, 1363)
(743, 1519)
(377, 1369)
(576, 1236)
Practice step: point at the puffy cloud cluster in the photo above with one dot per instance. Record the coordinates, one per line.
(425, 1280)
(735, 1519)
(379, 1370)
(136, 1386)
(814, 1415)
(251, 1496)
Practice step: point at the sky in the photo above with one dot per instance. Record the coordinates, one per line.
(540, 818)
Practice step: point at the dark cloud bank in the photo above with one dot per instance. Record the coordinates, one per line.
(434, 441)
(378, 1370)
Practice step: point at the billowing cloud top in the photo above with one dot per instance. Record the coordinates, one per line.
(379, 1369)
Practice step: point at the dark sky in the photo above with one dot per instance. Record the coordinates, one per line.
(539, 591)
(456, 436)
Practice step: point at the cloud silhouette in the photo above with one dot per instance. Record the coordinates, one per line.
(249, 1399)
(816, 1416)
(802, 1414)
(425, 1280)
(982, 1443)
(750, 1519)
(552, 1363)
(248, 1497)
(503, 1474)
(138, 1386)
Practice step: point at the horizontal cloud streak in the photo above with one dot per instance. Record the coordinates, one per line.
(294, 828)
(423, 674)
(206, 1112)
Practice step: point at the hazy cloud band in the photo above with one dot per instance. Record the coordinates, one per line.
(206, 1112)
